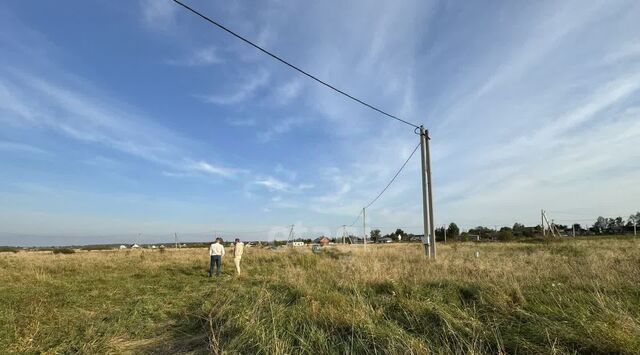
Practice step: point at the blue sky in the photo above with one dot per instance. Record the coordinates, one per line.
(121, 118)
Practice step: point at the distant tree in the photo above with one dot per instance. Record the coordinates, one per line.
(537, 230)
(577, 228)
(398, 234)
(601, 225)
(505, 234)
(520, 230)
(618, 222)
(529, 232)
(375, 235)
(480, 230)
(453, 231)
(439, 233)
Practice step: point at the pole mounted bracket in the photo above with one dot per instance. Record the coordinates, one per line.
(426, 132)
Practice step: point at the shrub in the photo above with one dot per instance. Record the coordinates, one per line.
(8, 249)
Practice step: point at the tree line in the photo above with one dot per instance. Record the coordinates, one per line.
(601, 226)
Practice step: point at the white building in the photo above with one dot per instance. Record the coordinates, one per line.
(123, 247)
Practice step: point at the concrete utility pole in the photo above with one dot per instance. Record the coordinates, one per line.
(344, 231)
(573, 228)
(427, 193)
(175, 236)
(364, 226)
(542, 222)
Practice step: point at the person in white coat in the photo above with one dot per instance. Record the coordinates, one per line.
(216, 252)
(237, 254)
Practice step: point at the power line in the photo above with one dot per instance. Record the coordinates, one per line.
(391, 227)
(386, 187)
(276, 57)
(357, 219)
(569, 213)
(394, 177)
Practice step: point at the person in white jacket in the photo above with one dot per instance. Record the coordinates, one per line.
(237, 254)
(216, 252)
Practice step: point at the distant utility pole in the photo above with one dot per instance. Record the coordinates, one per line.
(553, 230)
(364, 225)
(427, 196)
(290, 238)
(344, 231)
(445, 233)
(573, 229)
(175, 236)
(542, 222)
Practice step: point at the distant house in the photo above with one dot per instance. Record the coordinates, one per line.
(135, 246)
(322, 241)
(386, 240)
(123, 247)
(298, 244)
(153, 247)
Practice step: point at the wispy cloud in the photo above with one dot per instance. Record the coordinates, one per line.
(276, 185)
(288, 173)
(288, 91)
(554, 131)
(279, 127)
(273, 184)
(199, 57)
(13, 106)
(242, 122)
(209, 168)
(243, 92)
(104, 121)
(160, 15)
(20, 147)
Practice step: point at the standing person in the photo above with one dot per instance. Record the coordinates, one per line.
(237, 254)
(216, 252)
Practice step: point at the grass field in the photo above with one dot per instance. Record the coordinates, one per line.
(560, 297)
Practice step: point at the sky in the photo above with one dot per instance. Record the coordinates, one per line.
(126, 122)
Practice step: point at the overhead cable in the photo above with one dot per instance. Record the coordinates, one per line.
(389, 184)
(283, 61)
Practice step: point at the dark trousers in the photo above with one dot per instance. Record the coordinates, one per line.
(216, 260)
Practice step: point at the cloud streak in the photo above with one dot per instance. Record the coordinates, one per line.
(105, 122)
(242, 92)
(199, 57)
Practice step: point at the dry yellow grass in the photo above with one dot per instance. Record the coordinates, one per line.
(564, 297)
